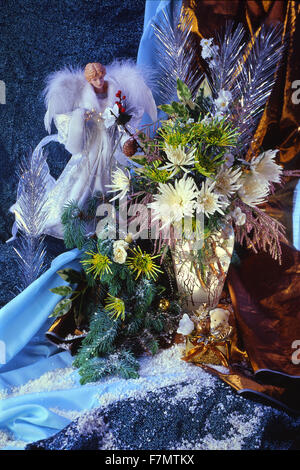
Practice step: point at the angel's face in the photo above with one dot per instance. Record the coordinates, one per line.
(98, 82)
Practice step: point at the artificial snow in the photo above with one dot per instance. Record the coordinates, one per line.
(170, 391)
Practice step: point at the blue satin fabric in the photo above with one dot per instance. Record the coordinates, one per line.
(24, 321)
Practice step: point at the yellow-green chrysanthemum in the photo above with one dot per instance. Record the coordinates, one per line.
(142, 263)
(98, 264)
(115, 307)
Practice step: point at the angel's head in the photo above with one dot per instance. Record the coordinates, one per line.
(94, 74)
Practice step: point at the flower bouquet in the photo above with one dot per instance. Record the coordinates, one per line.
(202, 177)
(197, 186)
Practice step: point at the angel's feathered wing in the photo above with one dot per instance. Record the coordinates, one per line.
(68, 89)
(134, 83)
(62, 93)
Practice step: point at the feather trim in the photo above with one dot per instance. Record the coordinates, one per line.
(68, 89)
(132, 82)
(62, 92)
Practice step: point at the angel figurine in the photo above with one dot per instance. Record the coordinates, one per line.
(95, 111)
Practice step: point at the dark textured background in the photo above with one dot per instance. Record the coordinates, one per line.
(38, 37)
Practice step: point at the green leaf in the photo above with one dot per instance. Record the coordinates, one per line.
(183, 91)
(179, 108)
(167, 108)
(62, 290)
(61, 308)
(70, 275)
(139, 159)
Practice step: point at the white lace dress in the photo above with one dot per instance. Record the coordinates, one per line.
(87, 171)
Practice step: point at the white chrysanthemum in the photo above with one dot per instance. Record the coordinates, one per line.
(223, 100)
(120, 182)
(173, 203)
(208, 201)
(265, 166)
(227, 181)
(178, 159)
(110, 115)
(238, 216)
(254, 189)
(186, 326)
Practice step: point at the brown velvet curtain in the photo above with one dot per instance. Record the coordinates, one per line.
(266, 296)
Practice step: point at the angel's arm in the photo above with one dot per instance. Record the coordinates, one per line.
(72, 130)
(61, 95)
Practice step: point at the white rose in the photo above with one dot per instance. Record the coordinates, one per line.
(129, 238)
(186, 325)
(120, 255)
(120, 244)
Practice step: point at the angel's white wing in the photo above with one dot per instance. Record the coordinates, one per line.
(132, 82)
(62, 92)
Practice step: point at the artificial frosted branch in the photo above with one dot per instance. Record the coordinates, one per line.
(254, 82)
(175, 55)
(30, 216)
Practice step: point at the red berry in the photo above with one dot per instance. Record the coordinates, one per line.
(122, 110)
(124, 98)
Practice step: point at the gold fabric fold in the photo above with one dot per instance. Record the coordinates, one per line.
(266, 301)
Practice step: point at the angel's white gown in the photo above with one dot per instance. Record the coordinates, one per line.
(95, 148)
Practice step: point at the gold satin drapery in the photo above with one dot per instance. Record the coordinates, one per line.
(266, 296)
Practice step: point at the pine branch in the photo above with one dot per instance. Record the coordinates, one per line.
(74, 226)
(121, 363)
(100, 339)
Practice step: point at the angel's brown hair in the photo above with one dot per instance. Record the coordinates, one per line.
(93, 70)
